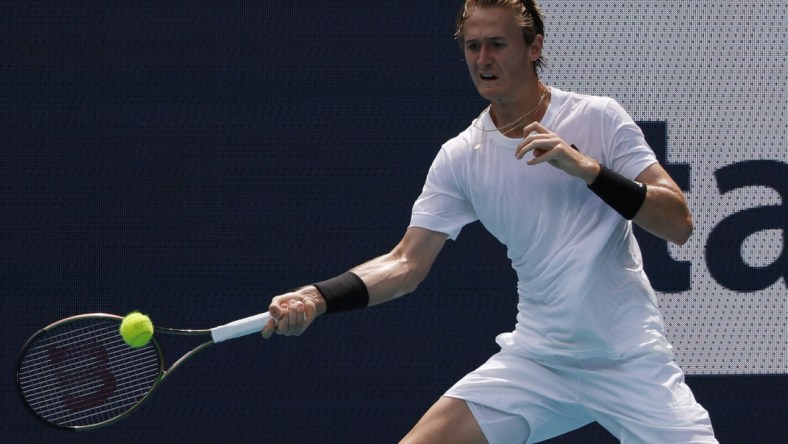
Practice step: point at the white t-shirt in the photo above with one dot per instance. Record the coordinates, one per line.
(582, 289)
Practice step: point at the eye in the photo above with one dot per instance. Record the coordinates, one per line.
(471, 46)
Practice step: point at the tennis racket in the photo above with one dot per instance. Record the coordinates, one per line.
(79, 374)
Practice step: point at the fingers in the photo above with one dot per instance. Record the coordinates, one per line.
(290, 317)
(533, 134)
(546, 147)
(292, 313)
(539, 144)
(269, 328)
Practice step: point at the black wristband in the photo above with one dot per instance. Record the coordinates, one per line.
(623, 195)
(343, 293)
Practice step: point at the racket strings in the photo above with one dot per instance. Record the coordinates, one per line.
(82, 373)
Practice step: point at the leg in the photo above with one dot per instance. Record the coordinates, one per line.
(448, 421)
(643, 398)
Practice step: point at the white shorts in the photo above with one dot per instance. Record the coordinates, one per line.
(641, 398)
(500, 427)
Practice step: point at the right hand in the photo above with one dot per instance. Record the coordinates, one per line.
(550, 148)
(294, 312)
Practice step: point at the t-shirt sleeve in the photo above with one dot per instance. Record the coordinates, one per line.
(630, 153)
(443, 205)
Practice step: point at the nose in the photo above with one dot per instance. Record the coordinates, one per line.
(483, 57)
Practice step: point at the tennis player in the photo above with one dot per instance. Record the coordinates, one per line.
(559, 178)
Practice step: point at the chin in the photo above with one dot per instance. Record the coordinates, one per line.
(486, 92)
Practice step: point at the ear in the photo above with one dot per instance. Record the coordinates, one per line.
(536, 47)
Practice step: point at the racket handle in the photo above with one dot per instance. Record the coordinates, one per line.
(241, 327)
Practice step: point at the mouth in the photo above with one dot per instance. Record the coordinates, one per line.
(488, 77)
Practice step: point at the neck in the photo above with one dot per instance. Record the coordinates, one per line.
(510, 118)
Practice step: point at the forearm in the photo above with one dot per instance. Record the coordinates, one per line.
(659, 207)
(665, 214)
(398, 272)
(386, 277)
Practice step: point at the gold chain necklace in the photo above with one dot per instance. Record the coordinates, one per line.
(508, 127)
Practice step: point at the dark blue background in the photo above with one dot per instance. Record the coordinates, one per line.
(191, 159)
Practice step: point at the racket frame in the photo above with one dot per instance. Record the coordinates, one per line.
(162, 373)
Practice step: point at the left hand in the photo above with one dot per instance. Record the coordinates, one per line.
(549, 147)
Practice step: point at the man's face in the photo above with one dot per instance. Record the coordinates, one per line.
(498, 59)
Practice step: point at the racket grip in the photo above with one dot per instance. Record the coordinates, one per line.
(241, 327)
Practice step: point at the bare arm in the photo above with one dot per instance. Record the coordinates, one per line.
(664, 213)
(400, 271)
(387, 277)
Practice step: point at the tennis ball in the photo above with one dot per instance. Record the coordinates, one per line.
(136, 329)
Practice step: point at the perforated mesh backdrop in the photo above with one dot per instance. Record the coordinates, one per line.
(714, 73)
(191, 159)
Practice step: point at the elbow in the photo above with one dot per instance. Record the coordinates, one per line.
(414, 270)
(415, 276)
(683, 230)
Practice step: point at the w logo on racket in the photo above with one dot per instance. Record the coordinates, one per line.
(78, 373)
(84, 375)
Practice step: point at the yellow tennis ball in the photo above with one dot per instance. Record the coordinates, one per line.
(136, 329)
